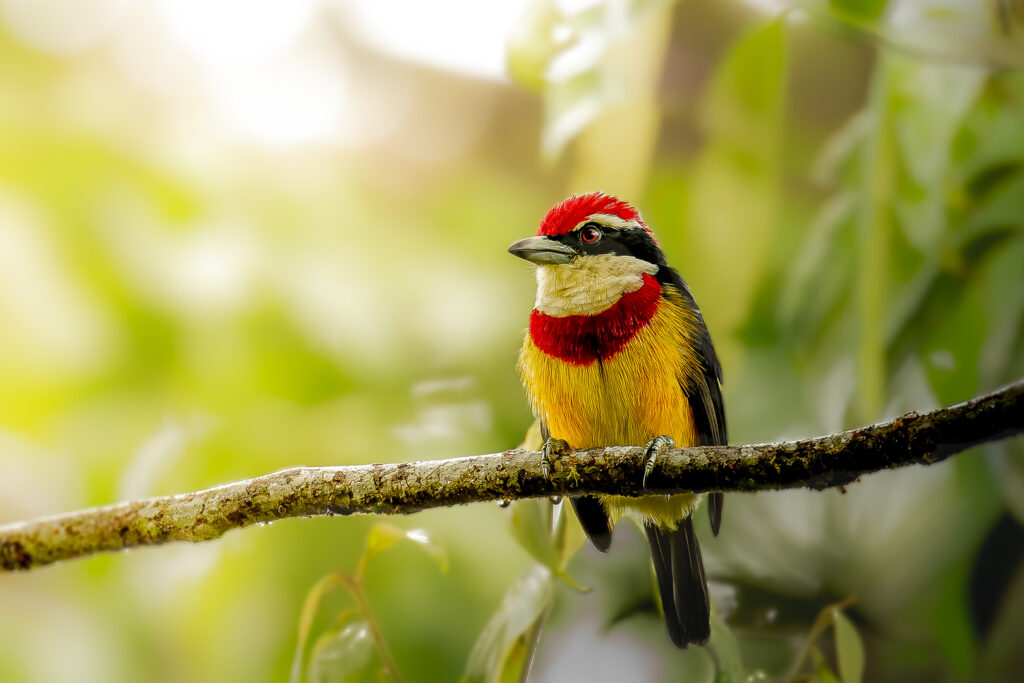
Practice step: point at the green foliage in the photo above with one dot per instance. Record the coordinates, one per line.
(582, 61)
(544, 531)
(942, 30)
(353, 648)
(849, 649)
(383, 536)
(941, 229)
(725, 648)
(904, 272)
(346, 653)
(508, 643)
(180, 310)
(530, 523)
(505, 648)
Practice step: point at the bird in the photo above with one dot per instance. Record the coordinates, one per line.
(617, 354)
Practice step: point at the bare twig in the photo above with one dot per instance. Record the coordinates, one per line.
(402, 488)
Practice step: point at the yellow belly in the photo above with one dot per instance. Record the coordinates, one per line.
(623, 401)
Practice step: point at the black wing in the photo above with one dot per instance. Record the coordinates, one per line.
(591, 513)
(704, 394)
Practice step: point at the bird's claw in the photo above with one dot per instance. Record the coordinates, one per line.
(652, 450)
(551, 447)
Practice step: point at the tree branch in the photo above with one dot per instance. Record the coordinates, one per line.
(403, 488)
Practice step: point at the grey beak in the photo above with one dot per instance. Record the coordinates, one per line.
(543, 251)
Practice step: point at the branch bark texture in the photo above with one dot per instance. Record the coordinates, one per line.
(403, 488)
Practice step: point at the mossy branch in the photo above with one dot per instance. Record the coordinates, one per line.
(408, 487)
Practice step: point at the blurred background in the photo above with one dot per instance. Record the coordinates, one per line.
(242, 236)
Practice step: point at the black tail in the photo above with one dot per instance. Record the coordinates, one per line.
(594, 520)
(684, 592)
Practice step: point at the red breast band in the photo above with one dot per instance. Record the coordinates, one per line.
(583, 339)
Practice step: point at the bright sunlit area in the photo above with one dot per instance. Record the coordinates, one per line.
(239, 237)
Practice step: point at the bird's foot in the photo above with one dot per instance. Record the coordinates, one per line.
(652, 450)
(552, 447)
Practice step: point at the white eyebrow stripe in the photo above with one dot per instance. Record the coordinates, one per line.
(608, 220)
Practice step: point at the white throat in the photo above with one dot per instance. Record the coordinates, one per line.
(588, 284)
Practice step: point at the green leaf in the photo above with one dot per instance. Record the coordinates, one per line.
(849, 649)
(929, 105)
(841, 151)
(381, 537)
(507, 641)
(959, 316)
(990, 137)
(309, 610)
(1002, 205)
(569, 537)
(530, 524)
(923, 308)
(551, 543)
(384, 535)
(345, 654)
(726, 651)
(932, 101)
(818, 280)
(950, 353)
(823, 673)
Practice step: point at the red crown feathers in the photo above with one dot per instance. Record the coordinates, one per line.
(567, 215)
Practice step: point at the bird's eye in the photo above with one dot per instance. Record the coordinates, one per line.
(590, 233)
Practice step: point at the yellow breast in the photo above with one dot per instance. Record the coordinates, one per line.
(625, 400)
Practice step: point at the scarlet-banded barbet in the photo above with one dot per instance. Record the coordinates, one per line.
(617, 354)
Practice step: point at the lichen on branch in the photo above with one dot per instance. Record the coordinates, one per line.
(402, 488)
